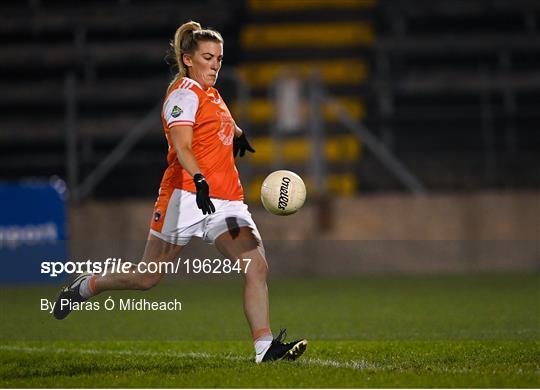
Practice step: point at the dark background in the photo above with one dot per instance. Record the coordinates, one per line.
(451, 88)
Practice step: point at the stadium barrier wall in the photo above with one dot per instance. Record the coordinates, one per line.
(394, 233)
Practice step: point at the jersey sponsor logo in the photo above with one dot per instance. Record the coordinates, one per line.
(226, 129)
(157, 215)
(176, 112)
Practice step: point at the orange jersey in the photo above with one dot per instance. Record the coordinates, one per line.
(187, 103)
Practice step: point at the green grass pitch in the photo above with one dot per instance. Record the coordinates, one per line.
(422, 331)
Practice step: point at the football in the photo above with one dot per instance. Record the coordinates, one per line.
(283, 192)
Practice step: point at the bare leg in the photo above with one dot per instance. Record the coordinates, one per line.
(156, 251)
(243, 245)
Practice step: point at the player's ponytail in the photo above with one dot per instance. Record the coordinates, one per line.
(186, 41)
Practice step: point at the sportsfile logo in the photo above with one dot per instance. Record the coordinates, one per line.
(283, 200)
(113, 265)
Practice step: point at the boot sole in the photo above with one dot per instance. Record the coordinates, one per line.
(296, 351)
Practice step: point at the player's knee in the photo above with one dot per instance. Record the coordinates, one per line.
(257, 271)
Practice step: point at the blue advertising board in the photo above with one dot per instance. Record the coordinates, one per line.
(32, 229)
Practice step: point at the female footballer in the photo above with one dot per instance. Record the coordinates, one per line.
(200, 193)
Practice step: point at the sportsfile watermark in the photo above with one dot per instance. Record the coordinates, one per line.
(114, 265)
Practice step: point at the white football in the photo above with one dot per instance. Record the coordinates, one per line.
(283, 192)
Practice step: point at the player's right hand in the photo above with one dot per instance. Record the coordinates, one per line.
(203, 194)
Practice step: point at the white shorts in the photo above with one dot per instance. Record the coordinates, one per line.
(184, 220)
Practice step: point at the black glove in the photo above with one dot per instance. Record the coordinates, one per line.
(203, 194)
(241, 144)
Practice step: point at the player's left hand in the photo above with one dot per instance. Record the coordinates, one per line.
(240, 145)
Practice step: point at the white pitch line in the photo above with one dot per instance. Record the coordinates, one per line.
(198, 355)
(355, 365)
(351, 364)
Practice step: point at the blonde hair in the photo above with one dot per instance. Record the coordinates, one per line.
(186, 41)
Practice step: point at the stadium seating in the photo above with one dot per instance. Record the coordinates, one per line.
(450, 88)
(454, 90)
(116, 51)
(300, 37)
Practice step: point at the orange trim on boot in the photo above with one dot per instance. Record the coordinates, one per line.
(261, 332)
(92, 284)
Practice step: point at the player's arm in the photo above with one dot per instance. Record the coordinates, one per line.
(179, 111)
(182, 137)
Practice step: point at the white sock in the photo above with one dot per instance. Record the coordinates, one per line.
(261, 346)
(84, 288)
